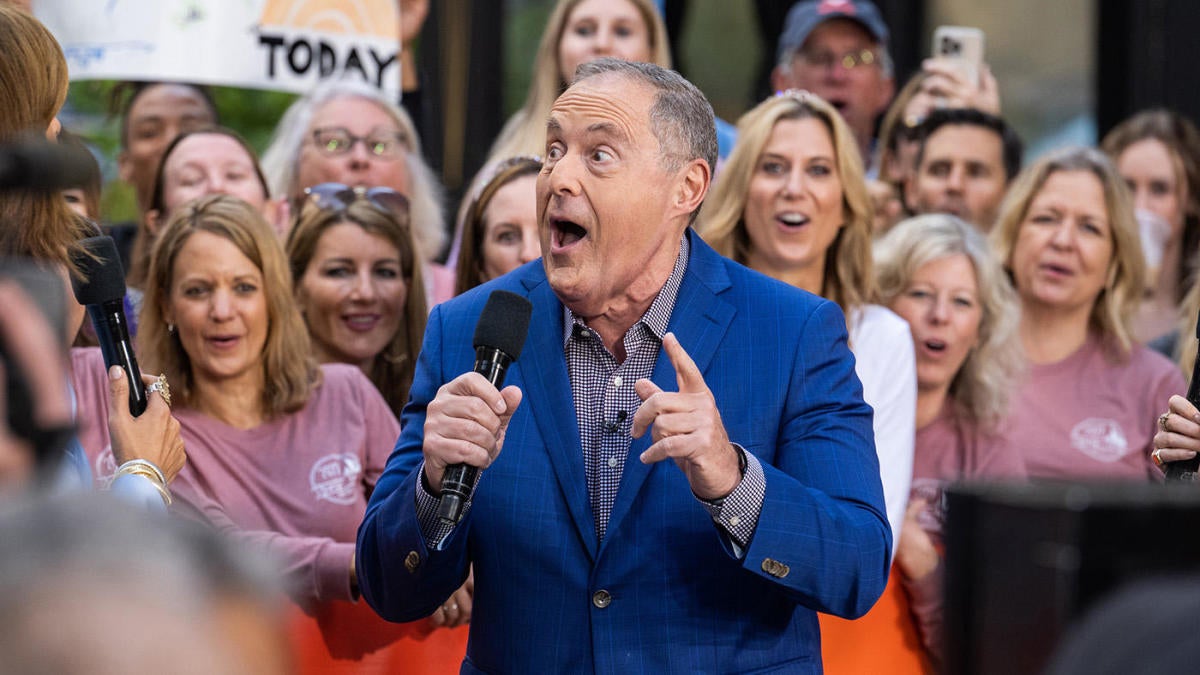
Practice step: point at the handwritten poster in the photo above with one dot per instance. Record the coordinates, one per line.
(287, 45)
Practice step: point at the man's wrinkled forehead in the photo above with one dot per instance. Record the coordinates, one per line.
(607, 104)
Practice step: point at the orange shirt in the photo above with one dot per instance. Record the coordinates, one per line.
(883, 641)
(349, 638)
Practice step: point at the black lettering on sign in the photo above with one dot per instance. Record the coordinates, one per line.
(298, 55)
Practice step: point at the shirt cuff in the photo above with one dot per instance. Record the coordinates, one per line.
(434, 529)
(737, 514)
(138, 490)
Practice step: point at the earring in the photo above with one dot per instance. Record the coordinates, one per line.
(170, 328)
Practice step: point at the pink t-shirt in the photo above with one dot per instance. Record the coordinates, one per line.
(1091, 417)
(297, 484)
(949, 449)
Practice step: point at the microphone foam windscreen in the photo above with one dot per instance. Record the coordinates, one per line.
(504, 323)
(103, 278)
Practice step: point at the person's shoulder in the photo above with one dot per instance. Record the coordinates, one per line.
(878, 323)
(1153, 365)
(522, 281)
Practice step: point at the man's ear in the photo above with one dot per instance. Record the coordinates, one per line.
(694, 180)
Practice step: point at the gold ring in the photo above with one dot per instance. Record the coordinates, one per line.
(1162, 420)
(1157, 457)
(160, 385)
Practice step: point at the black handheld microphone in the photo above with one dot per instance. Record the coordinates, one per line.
(499, 338)
(1185, 470)
(102, 291)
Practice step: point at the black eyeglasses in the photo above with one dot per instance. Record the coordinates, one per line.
(338, 196)
(335, 141)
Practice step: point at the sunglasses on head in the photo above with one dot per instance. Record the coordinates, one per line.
(339, 196)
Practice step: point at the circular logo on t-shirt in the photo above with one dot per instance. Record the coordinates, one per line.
(106, 467)
(335, 478)
(932, 518)
(1100, 438)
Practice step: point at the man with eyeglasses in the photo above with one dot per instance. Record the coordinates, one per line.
(837, 49)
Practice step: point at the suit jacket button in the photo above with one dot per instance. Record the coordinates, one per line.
(775, 568)
(412, 561)
(602, 599)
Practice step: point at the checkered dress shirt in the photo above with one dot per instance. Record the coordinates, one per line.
(605, 402)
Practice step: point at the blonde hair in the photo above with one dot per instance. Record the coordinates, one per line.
(1182, 141)
(848, 278)
(896, 127)
(289, 371)
(525, 131)
(1112, 312)
(392, 369)
(980, 389)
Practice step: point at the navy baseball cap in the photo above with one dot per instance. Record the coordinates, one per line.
(807, 15)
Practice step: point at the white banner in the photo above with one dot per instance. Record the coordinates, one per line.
(286, 45)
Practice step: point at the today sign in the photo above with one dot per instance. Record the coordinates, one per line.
(287, 45)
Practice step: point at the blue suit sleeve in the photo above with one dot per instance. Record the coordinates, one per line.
(398, 575)
(823, 533)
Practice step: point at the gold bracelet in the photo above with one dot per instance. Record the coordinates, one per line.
(129, 469)
(147, 465)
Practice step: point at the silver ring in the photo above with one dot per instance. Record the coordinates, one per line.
(1162, 420)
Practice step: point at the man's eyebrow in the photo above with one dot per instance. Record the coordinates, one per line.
(552, 126)
(608, 128)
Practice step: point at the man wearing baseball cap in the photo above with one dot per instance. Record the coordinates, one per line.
(837, 49)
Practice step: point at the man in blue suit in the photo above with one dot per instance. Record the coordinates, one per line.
(590, 553)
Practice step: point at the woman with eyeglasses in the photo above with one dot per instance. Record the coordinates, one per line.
(348, 132)
(497, 227)
(282, 452)
(358, 283)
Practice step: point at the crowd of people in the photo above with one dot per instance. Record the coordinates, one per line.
(823, 316)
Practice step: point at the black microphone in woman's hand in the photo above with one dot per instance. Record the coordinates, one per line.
(102, 291)
(499, 338)
(1185, 470)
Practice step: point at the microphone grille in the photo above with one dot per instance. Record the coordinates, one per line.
(504, 323)
(103, 278)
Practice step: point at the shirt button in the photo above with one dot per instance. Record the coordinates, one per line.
(601, 599)
(617, 381)
(735, 521)
(612, 462)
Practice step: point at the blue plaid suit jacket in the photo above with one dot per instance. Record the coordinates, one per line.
(783, 377)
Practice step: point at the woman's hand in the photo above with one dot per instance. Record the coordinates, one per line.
(152, 436)
(915, 554)
(1178, 436)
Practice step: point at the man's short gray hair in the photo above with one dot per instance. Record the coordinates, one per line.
(681, 117)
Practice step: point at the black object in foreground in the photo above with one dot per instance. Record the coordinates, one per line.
(102, 291)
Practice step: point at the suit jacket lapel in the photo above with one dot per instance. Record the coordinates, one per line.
(548, 395)
(700, 319)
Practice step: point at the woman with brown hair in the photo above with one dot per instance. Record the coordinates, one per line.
(358, 283)
(283, 452)
(497, 229)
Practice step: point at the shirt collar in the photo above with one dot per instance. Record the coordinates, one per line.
(658, 315)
